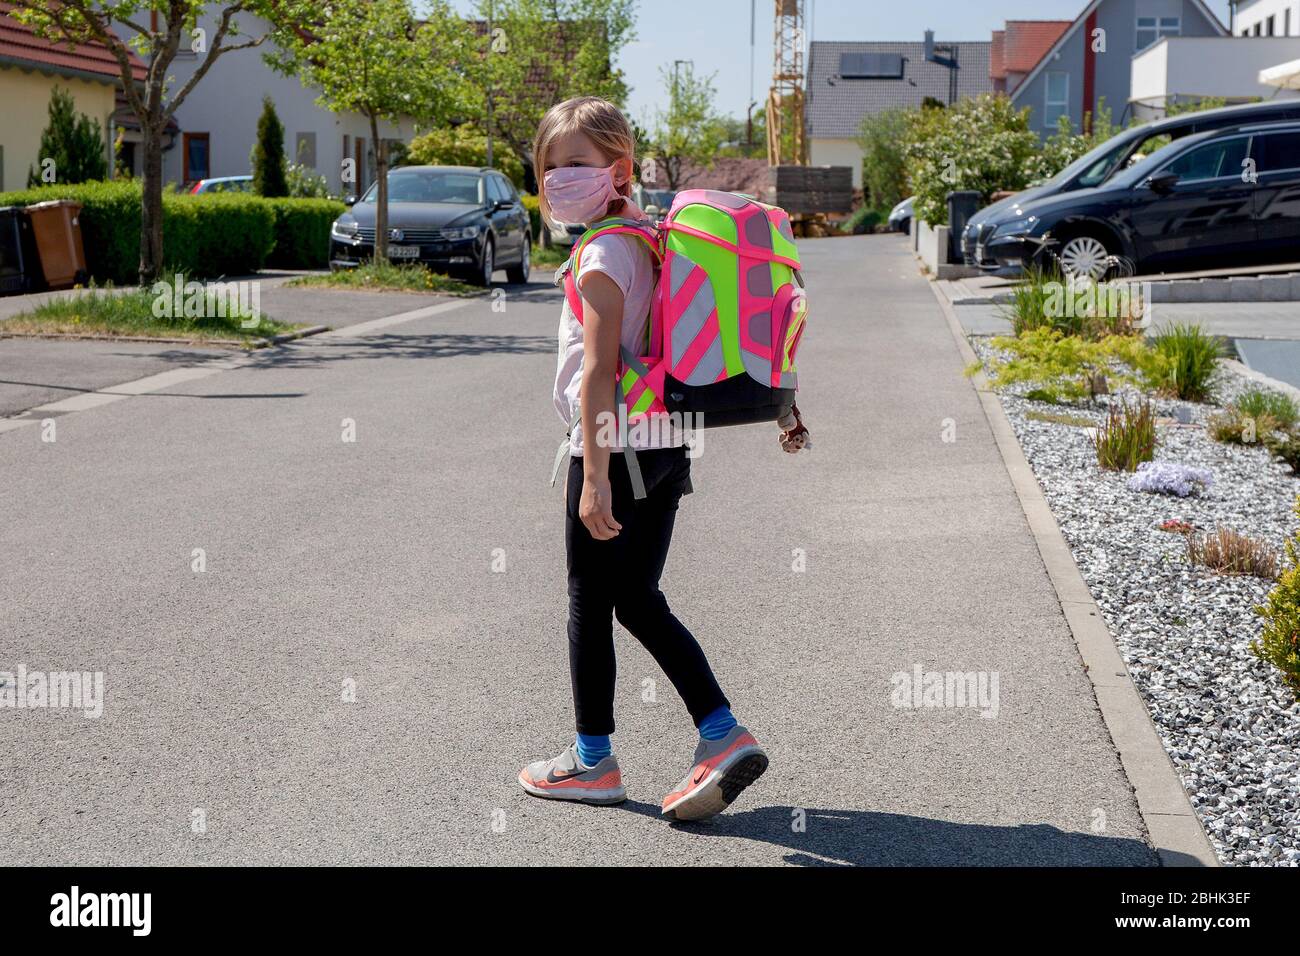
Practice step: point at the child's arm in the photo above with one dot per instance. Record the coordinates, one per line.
(602, 320)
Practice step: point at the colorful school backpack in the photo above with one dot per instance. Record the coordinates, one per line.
(726, 316)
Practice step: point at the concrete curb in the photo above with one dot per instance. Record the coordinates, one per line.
(1247, 372)
(160, 340)
(1172, 826)
(290, 336)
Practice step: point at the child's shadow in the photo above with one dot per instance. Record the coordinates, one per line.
(819, 837)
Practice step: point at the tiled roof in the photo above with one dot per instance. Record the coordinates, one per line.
(19, 45)
(1027, 42)
(835, 106)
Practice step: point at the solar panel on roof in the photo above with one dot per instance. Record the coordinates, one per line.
(871, 66)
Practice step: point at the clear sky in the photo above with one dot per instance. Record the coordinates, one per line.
(715, 35)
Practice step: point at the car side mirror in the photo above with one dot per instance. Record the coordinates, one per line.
(349, 200)
(1163, 183)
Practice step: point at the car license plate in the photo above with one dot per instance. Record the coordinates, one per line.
(403, 252)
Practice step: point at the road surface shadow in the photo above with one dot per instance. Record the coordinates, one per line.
(315, 352)
(820, 837)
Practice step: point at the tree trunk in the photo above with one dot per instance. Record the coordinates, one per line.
(151, 213)
(381, 192)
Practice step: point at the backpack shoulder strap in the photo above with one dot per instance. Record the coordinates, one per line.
(628, 227)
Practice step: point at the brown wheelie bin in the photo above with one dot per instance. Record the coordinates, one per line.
(56, 226)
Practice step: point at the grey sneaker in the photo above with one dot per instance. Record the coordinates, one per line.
(721, 769)
(564, 778)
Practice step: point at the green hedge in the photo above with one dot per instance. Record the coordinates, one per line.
(534, 207)
(203, 236)
(302, 232)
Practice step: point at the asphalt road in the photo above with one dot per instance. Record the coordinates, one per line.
(370, 564)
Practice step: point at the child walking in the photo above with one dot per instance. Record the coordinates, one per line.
(617, 544)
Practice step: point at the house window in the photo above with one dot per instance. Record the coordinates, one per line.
(1259, 29)
(1058, 98)
(196, 155)
(304, 152)
(1151, 29)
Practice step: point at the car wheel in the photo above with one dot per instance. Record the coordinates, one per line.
(519, 274)
(486, 266)
(1085, 257)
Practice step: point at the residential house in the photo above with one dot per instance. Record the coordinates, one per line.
(30, 69)
(218, 119)
(1091, 60)
(1018, 47)
(849, 81)
(1266, 18)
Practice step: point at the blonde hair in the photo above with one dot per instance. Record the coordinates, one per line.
(601, 122)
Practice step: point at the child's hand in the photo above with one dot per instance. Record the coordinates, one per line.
(794, 436)
(596, 509)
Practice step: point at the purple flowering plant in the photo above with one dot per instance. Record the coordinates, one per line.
(1170, 478)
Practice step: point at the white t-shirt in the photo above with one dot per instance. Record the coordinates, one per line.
(627, 261)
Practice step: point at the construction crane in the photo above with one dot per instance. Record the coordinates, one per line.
(786, 145)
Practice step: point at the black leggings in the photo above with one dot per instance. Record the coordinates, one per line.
(620, 578)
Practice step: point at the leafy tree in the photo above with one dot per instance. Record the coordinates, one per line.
(154, 104)
(688, 130)
(1065, 145)
(267, 159)
(73, 142)
(376, 58)
(742, 140)
(884, 167)
(982, 144)
(541, 52)
(464, 145)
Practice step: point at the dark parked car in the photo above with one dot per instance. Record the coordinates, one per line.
(455, 219)
(1117, 154)
(1221, 198)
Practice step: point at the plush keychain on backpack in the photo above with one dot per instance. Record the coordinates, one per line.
(794, 436)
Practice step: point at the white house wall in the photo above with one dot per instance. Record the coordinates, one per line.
(1209, 66)
(227, 102)
(1257, 13)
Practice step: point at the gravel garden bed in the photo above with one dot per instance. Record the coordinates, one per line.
(1227, 720)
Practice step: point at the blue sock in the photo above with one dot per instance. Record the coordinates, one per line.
(593, 748)
(718, 724)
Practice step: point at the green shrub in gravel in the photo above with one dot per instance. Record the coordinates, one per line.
(1184, 362)
(1279, 642)
(1062, 367)
(1127, 437)
(1258, 402)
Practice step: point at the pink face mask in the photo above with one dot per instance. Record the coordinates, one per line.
(580, 194)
